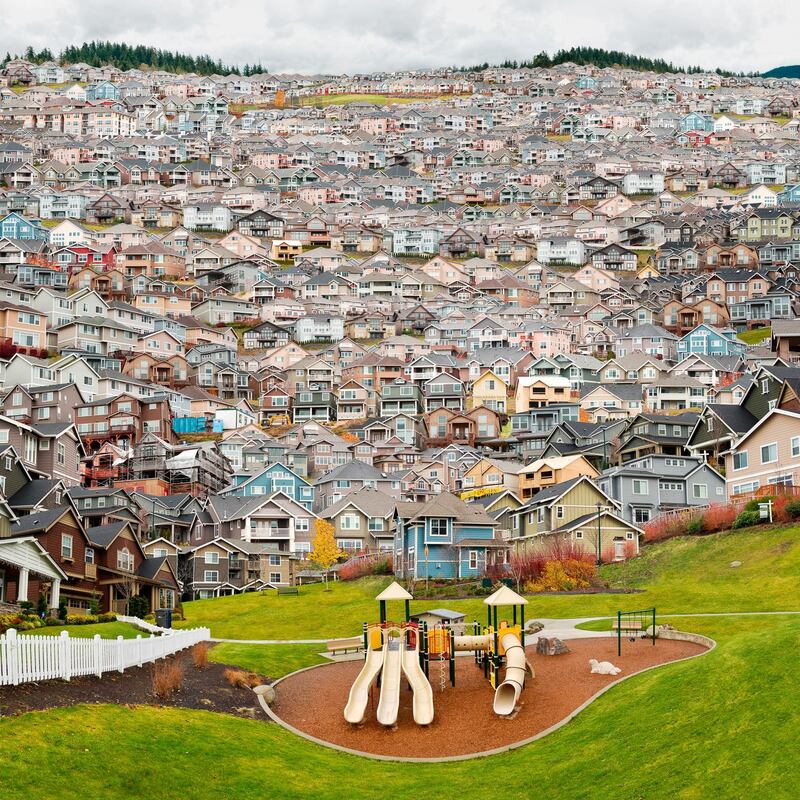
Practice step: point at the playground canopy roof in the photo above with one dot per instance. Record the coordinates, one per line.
(394, 591)
(505, 597)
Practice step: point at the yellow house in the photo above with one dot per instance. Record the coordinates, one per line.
(491, 391)
(491, 472)
(550, 471)
(648, 271)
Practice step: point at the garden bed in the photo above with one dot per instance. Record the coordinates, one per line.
(202, 688)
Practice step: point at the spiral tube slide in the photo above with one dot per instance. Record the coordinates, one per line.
(508, 692)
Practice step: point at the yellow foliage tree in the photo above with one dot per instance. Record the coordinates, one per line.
(324, 552)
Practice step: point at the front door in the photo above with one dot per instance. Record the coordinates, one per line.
(619, 549)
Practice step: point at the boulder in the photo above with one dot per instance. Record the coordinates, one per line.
(534, 626)
(551, 647)
(267, 692)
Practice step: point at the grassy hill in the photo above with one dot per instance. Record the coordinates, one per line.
(691, 574)
(720, 726)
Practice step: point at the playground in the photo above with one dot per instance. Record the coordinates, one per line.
(437, 693)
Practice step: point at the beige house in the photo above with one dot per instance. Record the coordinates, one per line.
(768, 455)
(491, 391)
(490, 472)
(541, 390)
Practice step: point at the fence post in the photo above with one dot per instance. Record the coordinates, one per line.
(98, 655)
(13, 656)
(120, 654)
(64, 660)
(139, 649)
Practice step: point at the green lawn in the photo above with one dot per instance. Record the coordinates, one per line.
(691, 574)
(721, 726)
(755, 336)
(272, 660)
(107, 630)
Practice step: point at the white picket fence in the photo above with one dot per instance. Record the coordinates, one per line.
(24, 659)
(145, 626)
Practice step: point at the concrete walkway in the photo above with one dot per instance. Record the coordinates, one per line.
(561, 628)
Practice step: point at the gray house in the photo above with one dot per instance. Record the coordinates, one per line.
(648, 486)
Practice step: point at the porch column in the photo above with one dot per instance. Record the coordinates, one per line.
(55, 593)
(22, 586)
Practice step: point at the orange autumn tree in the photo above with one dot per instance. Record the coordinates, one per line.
(324, 552)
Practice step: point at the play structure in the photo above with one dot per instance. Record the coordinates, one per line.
(396, 649)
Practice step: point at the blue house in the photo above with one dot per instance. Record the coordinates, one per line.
(271, 479)
(708, 341)
(446, 538)
(15, 226)
(789, 194)
(697, 122)
(104, 90)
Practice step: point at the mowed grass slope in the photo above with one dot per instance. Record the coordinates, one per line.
(690, 574)
(722, 725)
(106, 630)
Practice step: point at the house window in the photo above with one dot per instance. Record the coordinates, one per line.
(350, 522)
(89, 555)
(700, 491)
(211, 558)
(640, 487)
(579, 534)
(302, 524)
(210, 576)
(740, 460)
(125, 560)
(274, 577)
(66, 546)
(769, 453)
(61, 454)
(796, 445)
(641, 515)
(274, 561)
(765, 386)
(473, 559)
(438, 527)
(559, 512)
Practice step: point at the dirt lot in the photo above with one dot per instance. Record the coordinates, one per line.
(464, 722)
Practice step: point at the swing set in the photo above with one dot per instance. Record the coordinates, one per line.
(634, 624)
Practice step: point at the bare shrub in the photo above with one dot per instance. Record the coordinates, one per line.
(167, 677)
(200, 655)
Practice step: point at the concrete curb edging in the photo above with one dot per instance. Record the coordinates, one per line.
(685, 636)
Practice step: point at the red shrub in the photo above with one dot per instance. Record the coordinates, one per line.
(630, 549)
(718, 517)
(779, 513)
(380, 564)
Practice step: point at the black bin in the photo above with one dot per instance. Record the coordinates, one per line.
(164, 617)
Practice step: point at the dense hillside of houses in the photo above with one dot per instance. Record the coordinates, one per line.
(503, 312)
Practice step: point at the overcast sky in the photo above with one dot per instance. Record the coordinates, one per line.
(363, 35)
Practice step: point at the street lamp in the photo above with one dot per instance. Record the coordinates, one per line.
(599, 543)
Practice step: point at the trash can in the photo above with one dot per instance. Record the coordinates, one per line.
(164, 617)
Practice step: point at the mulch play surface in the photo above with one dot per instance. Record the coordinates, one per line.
(464, 722)
(203, 688)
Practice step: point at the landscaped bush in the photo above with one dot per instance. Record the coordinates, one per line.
(746, 519)
(377, 565)
(200, 655)
(108, 617)
(240, 679)
(793, 509)
(82, 619)
(138, 606)
(20, 622)
(718, 517)
(167, 677)
(756, 502)
(564, 576)
(695, 526)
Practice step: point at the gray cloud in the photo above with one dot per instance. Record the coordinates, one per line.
(365, 35)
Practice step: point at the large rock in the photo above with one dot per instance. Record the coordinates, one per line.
(551, 647)
(534, 626)
(267, 692)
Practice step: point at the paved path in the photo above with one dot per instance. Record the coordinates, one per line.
(562, 628)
